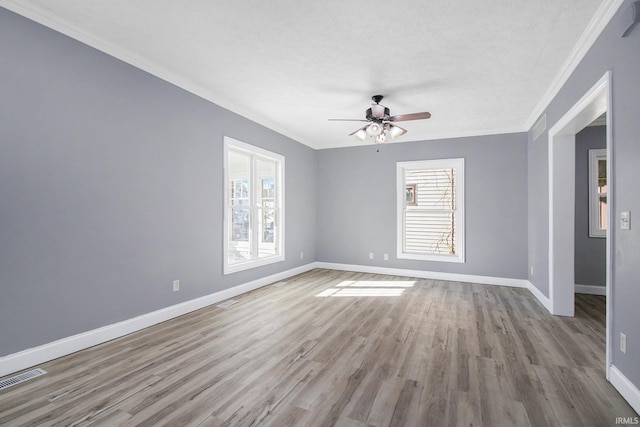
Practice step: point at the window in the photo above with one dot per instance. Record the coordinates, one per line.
(598, 193)
(430, 210)
(254, 201)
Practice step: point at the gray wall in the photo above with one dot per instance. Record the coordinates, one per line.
(590, 252)
(111, 188)
(357, 204)
(622, 58)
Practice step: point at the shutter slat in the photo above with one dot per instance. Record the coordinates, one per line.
(429, 224)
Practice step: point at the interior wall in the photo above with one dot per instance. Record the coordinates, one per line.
(357, 204)
(590, 252)
(620, 56)
(111, 188)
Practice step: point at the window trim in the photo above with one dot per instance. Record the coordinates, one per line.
(231, 144)
(594, 156)
(401, 167)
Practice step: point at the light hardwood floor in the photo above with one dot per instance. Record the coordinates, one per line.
(339, 348)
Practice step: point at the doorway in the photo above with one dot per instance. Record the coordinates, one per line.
(562, 143)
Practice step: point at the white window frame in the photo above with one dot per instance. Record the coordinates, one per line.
(594, 157)
(458, 164)
(231, 144)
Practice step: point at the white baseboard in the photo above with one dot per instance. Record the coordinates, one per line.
(591, 290)
(44, 353)
(33, 356)
(454, 277)
(544, 300)
(625, 387)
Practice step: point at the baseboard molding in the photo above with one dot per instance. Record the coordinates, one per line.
(544, 300)
(625, 387)
(591, 290)
(454, 277)
(27, 358)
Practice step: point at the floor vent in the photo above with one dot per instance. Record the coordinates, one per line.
(20, 378)
(228, 303)
(279, 284)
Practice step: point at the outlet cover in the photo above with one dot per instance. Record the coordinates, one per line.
(176, 285)
(625, 220)
(623, 343)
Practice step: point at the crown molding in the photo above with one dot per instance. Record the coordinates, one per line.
(603, 15)
(597, 24)
(63, 26)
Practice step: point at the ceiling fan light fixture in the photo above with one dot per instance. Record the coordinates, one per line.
(361, 134)
(380, 127)
(396, 131)
(378, 110)
(374, 129)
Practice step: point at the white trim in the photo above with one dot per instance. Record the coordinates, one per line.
(603, 15)
(27, 358)
(421, 274)
(401, 168)
(625, 387)
(230, 144)
(610, 224)
(561, 236)
(546, 302)
(435, 275)
(63, 26)
(591, 289)
(561, 145)
(601, 18)
(561, 152)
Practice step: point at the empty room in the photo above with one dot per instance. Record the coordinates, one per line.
(349, 213)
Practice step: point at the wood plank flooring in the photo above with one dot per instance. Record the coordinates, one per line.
(332, 348)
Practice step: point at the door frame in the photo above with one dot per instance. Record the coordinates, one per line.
(562, 141)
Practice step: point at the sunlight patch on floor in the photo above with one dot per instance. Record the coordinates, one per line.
(368, 288)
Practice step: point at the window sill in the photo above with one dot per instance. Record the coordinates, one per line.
(437, 258)
(247, 265)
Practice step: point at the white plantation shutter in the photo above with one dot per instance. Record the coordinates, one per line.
(430, 222)
(429, 213)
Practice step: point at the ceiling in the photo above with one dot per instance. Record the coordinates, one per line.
(479, 67)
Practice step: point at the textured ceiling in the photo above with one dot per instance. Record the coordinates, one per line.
(480, 67)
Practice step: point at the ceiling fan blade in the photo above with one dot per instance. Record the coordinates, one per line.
(347, 120)
(407, 117)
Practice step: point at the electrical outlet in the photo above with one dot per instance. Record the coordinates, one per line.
(386, 257)
(623, 343)
(370, 255)
(301, 255)
(176, 285)
(532, 270)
